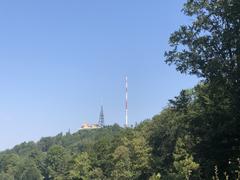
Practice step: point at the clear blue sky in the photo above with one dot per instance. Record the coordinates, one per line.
(60, 60)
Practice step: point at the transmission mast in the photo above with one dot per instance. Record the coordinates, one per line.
(101, 118)
(126, 103)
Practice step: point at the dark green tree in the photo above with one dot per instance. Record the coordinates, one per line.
(183, 161)
(57, 162)
(5, 176)
(209, 47)
(81, 167)
(140, 153)
(122, 168)
(9, 164)
(31, 173)
(97, 174)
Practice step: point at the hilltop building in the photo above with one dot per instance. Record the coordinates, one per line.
(90, 126)
(95, 126)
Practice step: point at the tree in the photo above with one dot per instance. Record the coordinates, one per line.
(5, 176)
(182, 102)
(9, 163)
(164, 130)
(102, 156)
(57, 162)
(140, 156)
(155, 177)
(183, 161)
(122, 167)
(81, 167)
(209, 47)
(97, 174)
(39, 159)
(31, 173)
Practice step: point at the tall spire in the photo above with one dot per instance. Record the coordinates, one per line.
(126, 103)
(101, 118)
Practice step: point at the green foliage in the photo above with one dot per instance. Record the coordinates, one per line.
(31, 173)
(122, 167)
(183, 161)
(97, 174)
(155, 177)
(209, 47)
(141, 155)
(57, 162)
(5, 176)
(181, 102)
(9, 163)
(165, 128)
(81, 167)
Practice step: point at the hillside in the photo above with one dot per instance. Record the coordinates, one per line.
(172, 145)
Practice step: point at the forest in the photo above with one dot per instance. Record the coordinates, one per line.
(197, 135)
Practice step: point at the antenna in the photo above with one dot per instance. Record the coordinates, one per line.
(101, 118)
(126, 103)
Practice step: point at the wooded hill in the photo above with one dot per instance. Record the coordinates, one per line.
(184, 141)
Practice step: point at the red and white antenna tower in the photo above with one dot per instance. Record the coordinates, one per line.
(126, 105)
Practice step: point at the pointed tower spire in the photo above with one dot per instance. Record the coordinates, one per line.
(101, 118)
(126, 103)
